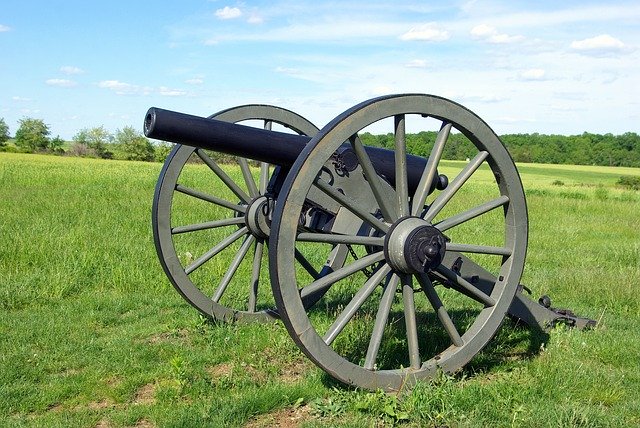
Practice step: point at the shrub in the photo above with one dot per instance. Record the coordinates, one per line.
(162, 150)
(82, 150)
(134, 145)
(629, 181)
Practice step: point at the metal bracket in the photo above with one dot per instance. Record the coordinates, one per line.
(538, 314)
(541, 315)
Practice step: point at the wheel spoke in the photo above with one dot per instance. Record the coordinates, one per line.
(429, 172)
(454, 186)
(410, 321)
(335, 260)
(328, 280)
(264, 166)
(207, 225)
(386, 207)
(210, 198)
(402, 187)
(472, 291)
(334, 238)
(248, 177)
(471, 213)
(223, 176)
(255, 276)
(233, 267)
(381, 321)
(479, 249)
(356, 302)
(264, 177)
(441, 312)
(306, 265)
(215, 250)
(349, 204)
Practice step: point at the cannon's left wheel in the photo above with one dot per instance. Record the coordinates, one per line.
(403, 310)
(210, 223)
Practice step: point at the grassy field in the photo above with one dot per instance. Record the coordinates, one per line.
(92, 334)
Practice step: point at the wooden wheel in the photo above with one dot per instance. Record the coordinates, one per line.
(401, 311)
(211, 224)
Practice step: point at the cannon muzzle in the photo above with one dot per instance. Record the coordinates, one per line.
(278, 148)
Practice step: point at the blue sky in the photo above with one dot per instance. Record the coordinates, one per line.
(524, 66)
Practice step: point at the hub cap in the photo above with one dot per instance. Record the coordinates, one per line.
(414, 246)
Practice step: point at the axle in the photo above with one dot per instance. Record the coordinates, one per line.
(278, 148)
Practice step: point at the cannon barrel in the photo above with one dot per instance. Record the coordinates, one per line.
(278, 148)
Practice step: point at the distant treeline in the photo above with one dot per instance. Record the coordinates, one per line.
(583, 149)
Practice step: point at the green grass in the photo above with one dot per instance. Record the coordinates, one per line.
(92, 334)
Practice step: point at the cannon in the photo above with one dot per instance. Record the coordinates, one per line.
(383, 270)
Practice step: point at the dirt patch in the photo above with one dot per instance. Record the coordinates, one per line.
(57, 407)
(220, 370)
(99, 405)
(114, 382)
(169, 336)
(255, 374)
(103, 423)
(293, 372)
(143, 423)
(69, 372)
(145, 395)
(283, 418)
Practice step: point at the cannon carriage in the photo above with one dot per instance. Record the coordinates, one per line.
(382, 268)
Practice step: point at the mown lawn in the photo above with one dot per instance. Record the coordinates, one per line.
(92, 334)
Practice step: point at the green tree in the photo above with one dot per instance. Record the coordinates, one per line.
(134, 145)
(55, 145)
(162, 150)
(96, 139)
(4, 132)
(32, 134)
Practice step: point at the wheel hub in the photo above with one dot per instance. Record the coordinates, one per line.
(414, 246)
(257, 217)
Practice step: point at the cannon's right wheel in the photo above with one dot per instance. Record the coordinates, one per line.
(210, 223)
(385, 324)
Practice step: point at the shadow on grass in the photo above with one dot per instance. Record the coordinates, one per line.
(514, 343)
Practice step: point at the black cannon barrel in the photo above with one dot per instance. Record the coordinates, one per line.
(278, 148)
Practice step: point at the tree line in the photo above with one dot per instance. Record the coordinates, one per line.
(583, 149)
(33, 135)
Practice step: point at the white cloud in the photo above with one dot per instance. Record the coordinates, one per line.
(62, 83)
(255, 19)
(483, 30)
(194, 81)
(558, 17)
(228, 13)
(69, 69)
(490, 34)
(533, 74)
(417, 63)
(116, 85)
(312, 74)
(430, 32)
(4, 28)
(167, 92)
(16, 98)
(600, 44)
(122, 88)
